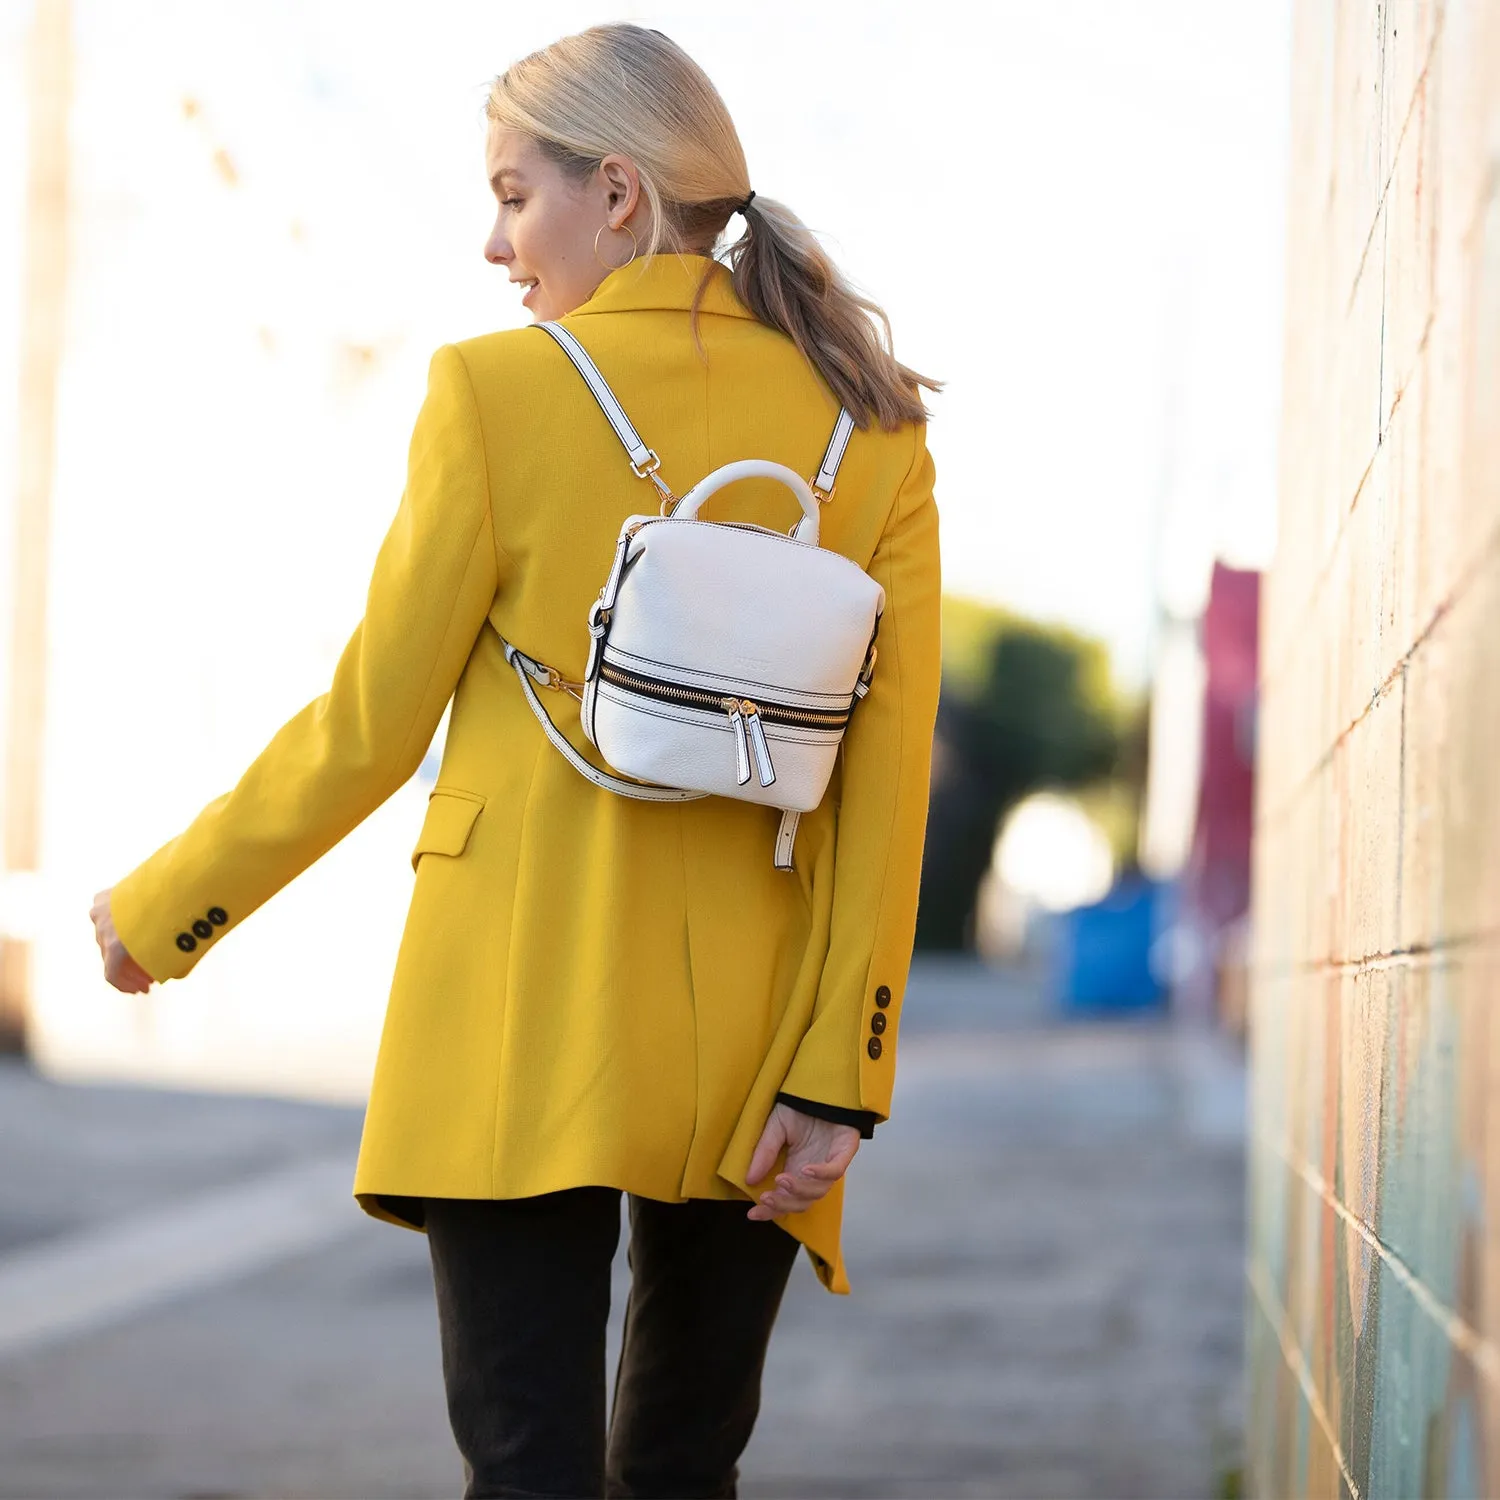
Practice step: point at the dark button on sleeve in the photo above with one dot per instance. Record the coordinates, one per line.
(202, 928)
(217, 915)
(877, 1022)
(883, 996)
(186, 941)
(873, 1046)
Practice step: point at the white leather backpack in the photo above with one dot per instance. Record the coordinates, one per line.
(725, 657)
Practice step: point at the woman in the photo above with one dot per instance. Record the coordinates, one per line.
(593, 994)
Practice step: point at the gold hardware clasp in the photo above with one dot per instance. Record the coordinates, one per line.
(559, 683)
(648, 471)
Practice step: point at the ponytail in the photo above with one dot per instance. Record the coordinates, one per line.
(782, 274)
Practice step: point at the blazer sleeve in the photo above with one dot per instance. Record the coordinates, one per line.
(335, 762)
(847, 1055)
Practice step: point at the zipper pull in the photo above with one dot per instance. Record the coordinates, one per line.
(758, 741)
(741, 749)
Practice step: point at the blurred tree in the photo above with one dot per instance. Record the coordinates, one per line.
(1023, 706)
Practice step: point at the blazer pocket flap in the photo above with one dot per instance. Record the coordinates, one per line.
(449, 821)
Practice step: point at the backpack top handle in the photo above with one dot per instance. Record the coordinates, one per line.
(806, 530)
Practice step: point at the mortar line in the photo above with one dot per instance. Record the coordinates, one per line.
(1418, 88)
(1308, 603)
(1483, 1353)
(1414, 956)
(1419, 85)
(1276, 1315)
(1483, 557)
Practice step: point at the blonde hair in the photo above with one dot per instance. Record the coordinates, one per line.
(624, 88)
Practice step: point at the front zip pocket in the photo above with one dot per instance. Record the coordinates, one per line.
(708, 698)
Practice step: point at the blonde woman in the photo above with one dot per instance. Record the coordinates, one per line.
(596, 995)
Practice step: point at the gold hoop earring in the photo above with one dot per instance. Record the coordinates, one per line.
(634, 247)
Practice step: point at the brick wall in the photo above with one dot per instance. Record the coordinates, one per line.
(1374, 1264)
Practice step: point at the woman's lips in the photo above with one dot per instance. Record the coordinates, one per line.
(530, 292)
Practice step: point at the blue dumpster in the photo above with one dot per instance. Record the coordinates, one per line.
(1101, 953)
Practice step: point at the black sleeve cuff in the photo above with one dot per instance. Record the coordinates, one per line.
(862, 1119)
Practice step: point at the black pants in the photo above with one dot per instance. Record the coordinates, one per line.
(523, 1297)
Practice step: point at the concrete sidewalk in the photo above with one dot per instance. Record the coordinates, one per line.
(1045, 1243)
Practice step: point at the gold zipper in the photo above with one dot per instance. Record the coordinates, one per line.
(772, 713)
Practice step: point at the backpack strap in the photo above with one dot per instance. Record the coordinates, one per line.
(833, 456)
(644, 791)
(644, 461)
(528, 668)
(786, 835)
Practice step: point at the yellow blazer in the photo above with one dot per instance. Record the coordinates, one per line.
(590, 989)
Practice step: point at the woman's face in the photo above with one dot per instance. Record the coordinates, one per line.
(545, 222)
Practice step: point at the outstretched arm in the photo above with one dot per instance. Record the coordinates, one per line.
(337, 760)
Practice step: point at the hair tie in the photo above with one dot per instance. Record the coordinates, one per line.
(745, 206)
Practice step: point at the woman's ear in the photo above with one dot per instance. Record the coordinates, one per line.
(622, 183)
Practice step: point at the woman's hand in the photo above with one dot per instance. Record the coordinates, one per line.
(817, 1154)
(120, 969)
